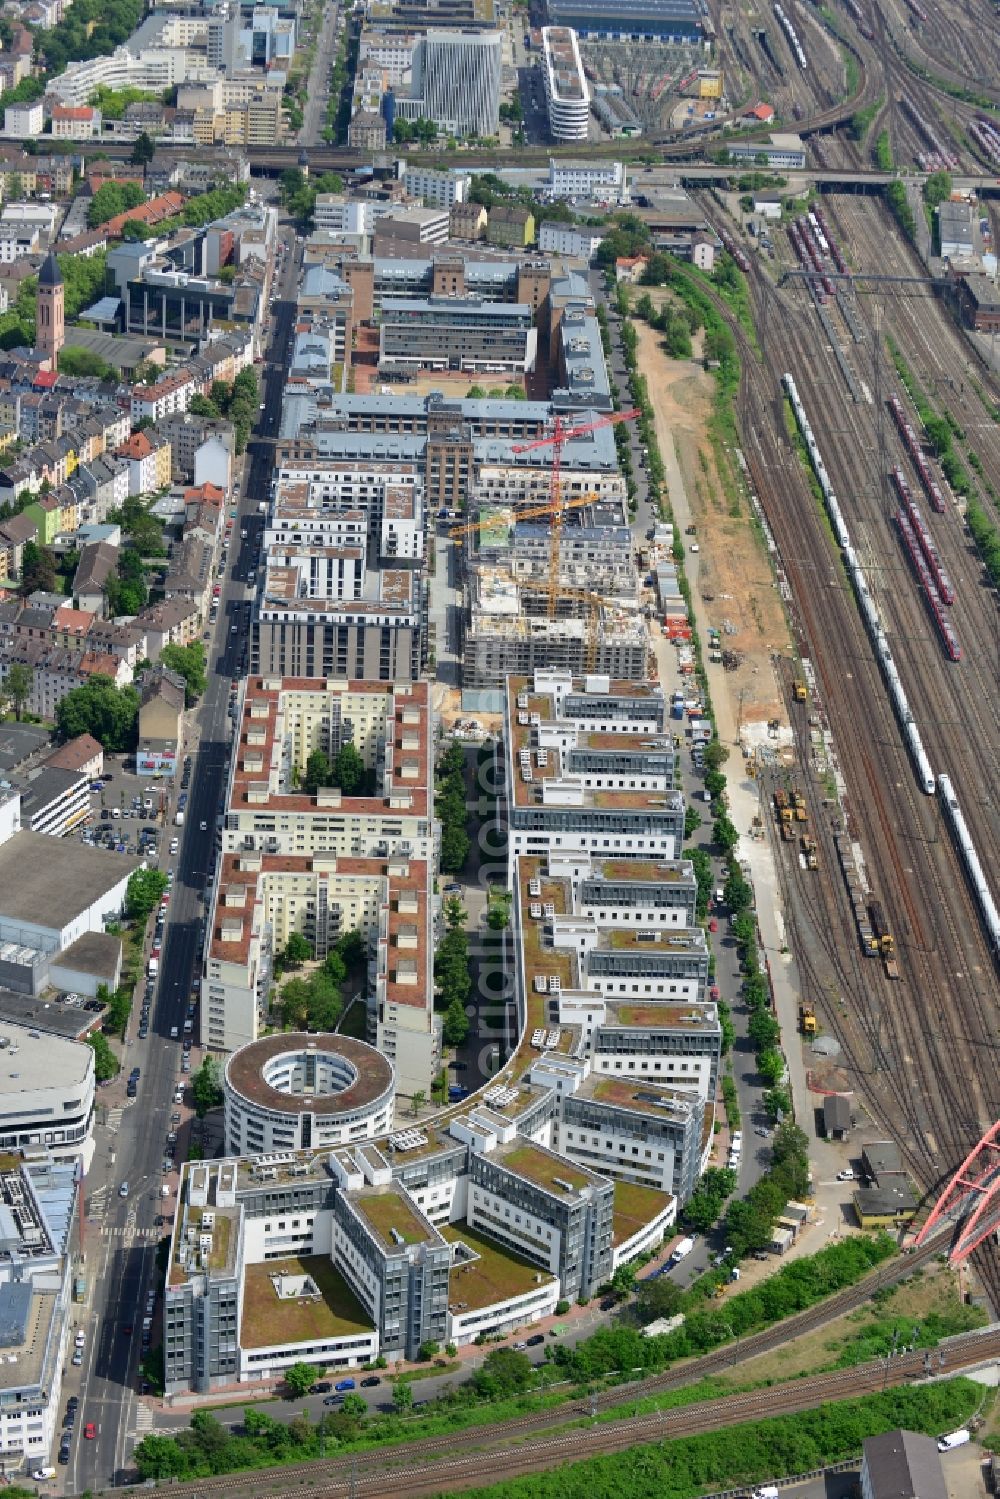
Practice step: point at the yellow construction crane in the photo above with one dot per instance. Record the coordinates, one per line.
(564, 431)
(535, 512)
(595, 602)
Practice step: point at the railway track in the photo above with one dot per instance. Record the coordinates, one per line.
(937, 1080)
(470, 1458)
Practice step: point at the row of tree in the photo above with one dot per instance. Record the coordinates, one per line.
(236, 400)
(452, 977)
(450, 804)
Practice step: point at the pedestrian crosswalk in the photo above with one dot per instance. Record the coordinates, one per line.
(114, 1119)
(143, 1418)
(131, 1233)
(97, 1203)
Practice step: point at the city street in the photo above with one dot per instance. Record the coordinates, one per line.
(120, 1235)
(318, 91)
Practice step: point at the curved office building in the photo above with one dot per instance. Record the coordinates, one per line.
(567, 92)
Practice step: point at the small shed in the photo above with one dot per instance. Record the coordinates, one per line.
(836, 1116)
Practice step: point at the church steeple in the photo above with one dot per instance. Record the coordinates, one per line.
(50, 312)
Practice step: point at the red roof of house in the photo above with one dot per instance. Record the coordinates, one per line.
(166, 206)
(206, 494)
(137, 447)
(45, 379)
(77, 621)
(763, 112)
(72, 112)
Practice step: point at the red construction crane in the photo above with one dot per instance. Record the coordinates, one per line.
(562, 434)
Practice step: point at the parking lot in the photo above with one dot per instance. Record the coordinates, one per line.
(126, 810)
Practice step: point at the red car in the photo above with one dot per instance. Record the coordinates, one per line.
(90, 1431)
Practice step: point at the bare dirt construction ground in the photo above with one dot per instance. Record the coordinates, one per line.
(734, 577)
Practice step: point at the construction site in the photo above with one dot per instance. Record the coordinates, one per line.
(554, 585)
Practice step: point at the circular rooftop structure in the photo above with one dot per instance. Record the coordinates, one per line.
(299, 1091)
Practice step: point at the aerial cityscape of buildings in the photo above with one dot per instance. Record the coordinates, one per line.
(417, 508)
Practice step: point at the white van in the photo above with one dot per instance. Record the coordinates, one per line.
(954, 1439)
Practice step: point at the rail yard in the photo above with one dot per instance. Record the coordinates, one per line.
(901, 632)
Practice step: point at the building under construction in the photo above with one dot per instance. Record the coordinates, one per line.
(510, 631)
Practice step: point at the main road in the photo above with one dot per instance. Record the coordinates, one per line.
(120, 1255)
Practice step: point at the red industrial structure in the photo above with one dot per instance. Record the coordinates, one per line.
(971, 1198)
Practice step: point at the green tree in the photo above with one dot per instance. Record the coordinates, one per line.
(715, 754)
(74, 361)
(349, 770)
(38, 569)
(105, 1061)
(692, 821)
(112, 199)
(206, 1087)
(763, 1030)
(317, 772)
(504, 1372)
(417, 1101)
(200, 405)
(354, 1406)
(656, 1298)
(428, 1350)
(624, 1279)
(937, 189)
(724, 833)
(295, 999)
(455, 1028)
(109, 713)
(455, 847)
(17, 685)
(143, 893)
(352, 948)
(455, 914)
(402, 1395)
(144, 149)
(298, 950)
(299, 1378)
(159, 1457)
(188, 661)
(737, 891)
(771, 1066)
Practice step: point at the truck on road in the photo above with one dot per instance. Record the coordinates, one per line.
(681, 1251)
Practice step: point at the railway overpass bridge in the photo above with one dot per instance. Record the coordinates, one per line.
(271, 160)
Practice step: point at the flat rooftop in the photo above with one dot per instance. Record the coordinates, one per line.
(634, 1207)
(54, 880)
(496, 1275)
(389, 1214)
(664, 1015)
(638, 1096)
(45, 1015)
(548, 1170)
(40, 1061)
(269, 1319)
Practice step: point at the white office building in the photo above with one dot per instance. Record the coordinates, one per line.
(567, 239)
(437, 189)
(37, 1205)
(567, 92)
(46, 1094)
(605, 180)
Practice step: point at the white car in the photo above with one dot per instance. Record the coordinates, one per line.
(123, 1190)
(42, 1475)
(846, 1175)
(174, 845)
